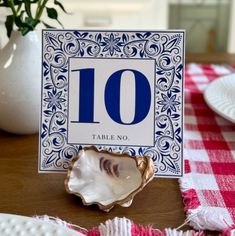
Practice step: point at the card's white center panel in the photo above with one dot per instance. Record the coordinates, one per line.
(110, 103)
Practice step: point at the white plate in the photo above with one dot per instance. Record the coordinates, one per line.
(220, 96)
(15, 225)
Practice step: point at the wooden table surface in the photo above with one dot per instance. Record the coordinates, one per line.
(25, 192)
(211, 58)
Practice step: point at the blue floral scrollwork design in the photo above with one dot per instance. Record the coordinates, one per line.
(168, 147)
(54, 100)
(166, 48)
(54, 140)
(111, 44)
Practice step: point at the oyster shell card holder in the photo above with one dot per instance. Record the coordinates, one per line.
(120, 91)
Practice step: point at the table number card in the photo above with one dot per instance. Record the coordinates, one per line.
(118, 90)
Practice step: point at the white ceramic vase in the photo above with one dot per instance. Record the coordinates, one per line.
(20, 72)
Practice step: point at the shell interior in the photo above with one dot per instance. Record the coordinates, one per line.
(103, 178)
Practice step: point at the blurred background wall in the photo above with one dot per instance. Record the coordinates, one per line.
(210, 24)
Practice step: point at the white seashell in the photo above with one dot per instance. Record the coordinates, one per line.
(107, 179)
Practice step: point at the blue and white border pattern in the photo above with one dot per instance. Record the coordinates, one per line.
(166, 47)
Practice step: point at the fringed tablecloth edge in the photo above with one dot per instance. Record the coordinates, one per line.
(199, 217)
(121, 227)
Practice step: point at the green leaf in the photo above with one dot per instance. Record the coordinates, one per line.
(56, 2)
(25, 30)
(26, 25)
(28, 7)
(52, 13)
(9, 24)
(31, 22)
(18, 21)
(29, 25)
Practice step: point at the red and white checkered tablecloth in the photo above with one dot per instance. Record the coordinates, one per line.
(208, 186)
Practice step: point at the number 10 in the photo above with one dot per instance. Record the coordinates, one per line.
(112, 96)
